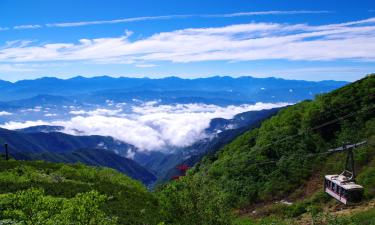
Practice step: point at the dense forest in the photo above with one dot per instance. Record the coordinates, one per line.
(276, 161)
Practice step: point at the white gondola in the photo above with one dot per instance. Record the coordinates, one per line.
(341, 188)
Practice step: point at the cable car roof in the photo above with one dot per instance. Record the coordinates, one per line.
(342, 181)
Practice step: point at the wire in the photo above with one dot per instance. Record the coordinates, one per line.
(359, 144)
(310, 129)
(307, 130)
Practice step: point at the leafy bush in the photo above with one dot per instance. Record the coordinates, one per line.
(367, 179)
(126, 199)
(32, 206)
(190, 201)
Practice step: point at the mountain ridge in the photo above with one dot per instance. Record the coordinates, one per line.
(81, 78)
(250, 88)
(95, 157)
(60, 147)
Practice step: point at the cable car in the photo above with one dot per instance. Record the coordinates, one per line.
(342, 189)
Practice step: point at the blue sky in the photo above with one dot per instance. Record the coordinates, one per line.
(311, 40)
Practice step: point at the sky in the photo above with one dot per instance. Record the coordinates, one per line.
(292, 39)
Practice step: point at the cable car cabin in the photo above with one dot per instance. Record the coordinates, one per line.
(345, 191)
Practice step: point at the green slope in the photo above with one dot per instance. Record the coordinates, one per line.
(95, 157)
(91, 150)
(287, 138)
(102, 192)
(273, 161)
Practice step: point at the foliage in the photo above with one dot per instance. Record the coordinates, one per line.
(190, 201)
(76, 188)
(290, 143)
(32, 206)
(361, 218)
(261, 165)
(367, 179)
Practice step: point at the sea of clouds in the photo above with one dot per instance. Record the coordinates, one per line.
(149, 126)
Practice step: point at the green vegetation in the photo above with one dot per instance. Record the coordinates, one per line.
(32, 206)
(194, 201)
(289, 139)
(273, 161)
(261, 166)
(79, 193)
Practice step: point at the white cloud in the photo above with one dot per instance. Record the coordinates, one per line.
(50, 114)
(167, 17)
(35, 109)
(149, 126)
(125, 20)
(99, 111)
(77, 112)
(353, 40)
(268, 13)
(13, 125)
(4, 113)
(16, 67)
(24, 27)
(145, 65)
(130, 154)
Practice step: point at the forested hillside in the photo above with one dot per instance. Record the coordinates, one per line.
(96, 157)
(35, 192)
(35, 144)
(277, 159)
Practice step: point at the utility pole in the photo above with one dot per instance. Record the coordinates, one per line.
(6, 152)
(349, 163)
(349, 170)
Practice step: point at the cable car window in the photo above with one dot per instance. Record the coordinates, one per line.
(355, 195)
(345, 194)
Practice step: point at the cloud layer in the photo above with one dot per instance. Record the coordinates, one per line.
(148, 126)
(166, 17)
(242, 42)
(5, 113)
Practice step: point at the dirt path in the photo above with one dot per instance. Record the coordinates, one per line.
(355, 209)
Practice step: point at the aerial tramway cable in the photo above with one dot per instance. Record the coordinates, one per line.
(371, 107)
(311, 129)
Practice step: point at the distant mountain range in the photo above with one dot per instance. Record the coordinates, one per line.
(213, 90)
(34, 143)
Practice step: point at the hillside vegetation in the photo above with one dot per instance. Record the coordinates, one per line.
(34, 144)
(285, 158)
(36, 192)
(275, 160)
